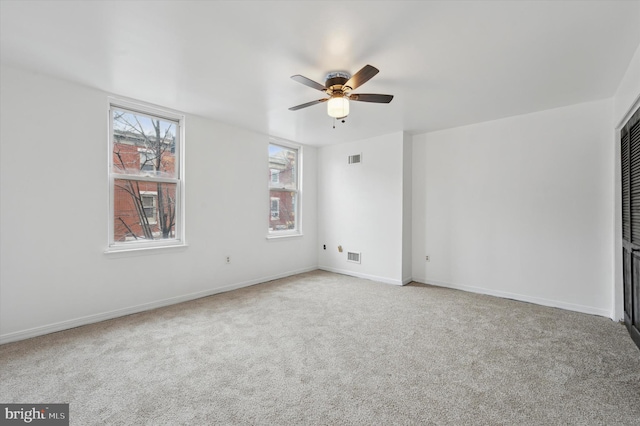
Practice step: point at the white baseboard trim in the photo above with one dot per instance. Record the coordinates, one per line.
(360, 275)
(520, 297)
(91, 319)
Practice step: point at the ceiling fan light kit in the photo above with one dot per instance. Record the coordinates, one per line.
(338, 107)
(338, 86)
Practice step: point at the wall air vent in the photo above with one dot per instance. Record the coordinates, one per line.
(353, 257)
(355, 159)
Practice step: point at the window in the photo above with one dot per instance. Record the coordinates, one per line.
(275, 176)
(150, 204)
(275, 208)
(147, 162)
(284, 189)
(145, 177)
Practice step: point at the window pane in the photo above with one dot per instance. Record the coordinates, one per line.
(282, 215)
(147, 201)
(140, 216)
(142, 145)
(283, 163)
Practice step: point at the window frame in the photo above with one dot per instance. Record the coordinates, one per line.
(297, 170)
(154, 112)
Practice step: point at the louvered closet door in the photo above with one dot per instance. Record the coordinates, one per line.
(630, 168)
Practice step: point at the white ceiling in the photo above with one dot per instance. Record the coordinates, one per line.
(448, 63)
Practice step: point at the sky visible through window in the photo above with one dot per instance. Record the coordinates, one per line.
(274, 149)
(126, 121)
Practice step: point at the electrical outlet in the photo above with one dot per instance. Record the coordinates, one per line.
(427, 258)
(228, 259)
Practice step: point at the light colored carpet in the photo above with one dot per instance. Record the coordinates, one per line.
(321, 348)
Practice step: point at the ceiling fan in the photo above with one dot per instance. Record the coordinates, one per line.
(338, 86)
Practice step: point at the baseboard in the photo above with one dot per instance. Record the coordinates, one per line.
(360, 275)
(91, 319)
(520, 297)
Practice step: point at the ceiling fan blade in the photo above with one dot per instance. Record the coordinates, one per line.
(308, 82)
(308, 104)
(371, 97)
(361, 77)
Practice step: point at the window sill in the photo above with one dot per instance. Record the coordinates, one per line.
(276, 236)
(128, 251)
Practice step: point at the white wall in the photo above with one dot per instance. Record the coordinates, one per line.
(628, 91)
(360, 207)
(519, 207)
(53, 219)
(625, 101)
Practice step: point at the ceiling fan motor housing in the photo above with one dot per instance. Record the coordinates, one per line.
(335, 80)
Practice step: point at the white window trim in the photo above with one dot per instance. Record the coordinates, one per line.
(297, 232)
(152, 111)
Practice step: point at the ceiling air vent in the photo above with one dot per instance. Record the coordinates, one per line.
(353, 257)
(355, 159)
